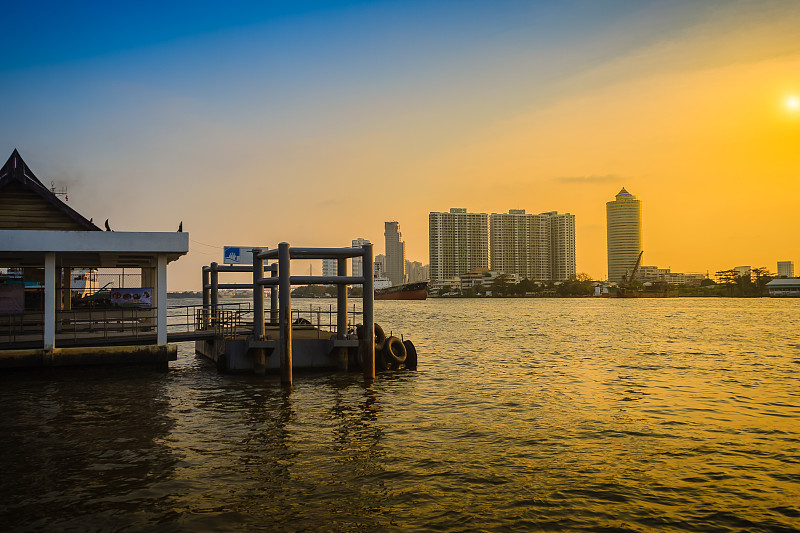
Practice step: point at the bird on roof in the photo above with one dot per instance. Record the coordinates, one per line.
(108, 228)
(180, 227)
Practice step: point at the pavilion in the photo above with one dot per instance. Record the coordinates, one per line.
(43, 238)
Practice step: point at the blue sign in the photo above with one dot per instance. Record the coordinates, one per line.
(239, 255)
(233, 254)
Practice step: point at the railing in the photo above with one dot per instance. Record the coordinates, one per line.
(117, 323)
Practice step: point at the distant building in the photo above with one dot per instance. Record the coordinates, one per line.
(562, 245)
(742, 271)
(785, 269)
(416, 271)
(652, 274)
(357, 266)
(329, 267)
(485, 277)
(535, 247)
(784, 288)
(624, 230)
(379, 266)
(458, 243)
(395, 254)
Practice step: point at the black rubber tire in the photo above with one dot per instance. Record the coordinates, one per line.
(380, 336)
(411, 355)
(394, 352)
(382, 363)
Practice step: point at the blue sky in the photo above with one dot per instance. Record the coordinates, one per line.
(303, 106)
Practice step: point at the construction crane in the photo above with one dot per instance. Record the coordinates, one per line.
(635, 268)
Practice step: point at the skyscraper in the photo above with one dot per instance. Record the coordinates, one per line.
(520, 244)
(395, 253)
(357, 262)
(562, 246)
(785, 269)
(458, 243)
(535, 247)
(624, 227)
(329, 267)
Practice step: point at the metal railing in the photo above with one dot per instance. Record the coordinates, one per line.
(118, 323)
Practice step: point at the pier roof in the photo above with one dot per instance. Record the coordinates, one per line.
(26, 204)
(99, 249)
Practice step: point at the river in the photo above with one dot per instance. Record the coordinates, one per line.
(524, 415)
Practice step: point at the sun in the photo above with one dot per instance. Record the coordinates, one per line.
(793, 103)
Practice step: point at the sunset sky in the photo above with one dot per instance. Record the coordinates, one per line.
(315, 122)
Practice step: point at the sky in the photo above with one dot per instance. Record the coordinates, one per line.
(312, 123)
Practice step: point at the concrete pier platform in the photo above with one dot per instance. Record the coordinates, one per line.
(158, 355)
(312, 350)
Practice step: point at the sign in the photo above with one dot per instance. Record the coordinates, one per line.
(132, 297)
(239, 255)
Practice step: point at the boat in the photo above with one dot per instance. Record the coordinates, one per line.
(407, 291)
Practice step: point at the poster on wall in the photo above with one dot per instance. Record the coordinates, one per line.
(132, 297)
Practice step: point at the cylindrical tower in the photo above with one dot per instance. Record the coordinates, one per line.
(624, 224)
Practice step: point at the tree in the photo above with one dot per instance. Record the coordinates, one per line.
(763, 276)
(583, 276)
(500, 285)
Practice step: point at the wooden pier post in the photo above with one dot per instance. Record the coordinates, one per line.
(368, 299)
(214, 292)
(206, 296)
(341, 312)
(260, 362)
(273, 297)
(285, 312)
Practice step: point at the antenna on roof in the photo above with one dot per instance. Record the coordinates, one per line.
(59, 192)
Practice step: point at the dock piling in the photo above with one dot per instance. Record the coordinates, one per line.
(368, 299)
(260, 363)
(285, 312)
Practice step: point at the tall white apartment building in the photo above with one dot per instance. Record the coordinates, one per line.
(520, 244)
(458, 243)
(395, 253)
(624, 227)
(357, 262)
(785, 269)
(562, 245)
(535, 247)
(329, 267)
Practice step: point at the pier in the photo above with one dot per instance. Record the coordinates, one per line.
(276, 341)
(44, 323)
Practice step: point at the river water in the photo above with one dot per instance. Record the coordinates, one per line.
(524, 415)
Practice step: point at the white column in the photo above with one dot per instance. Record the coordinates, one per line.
(161, 299)
(49, 300)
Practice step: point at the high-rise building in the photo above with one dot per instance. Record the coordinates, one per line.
(358, 262)
(329, 267)
(416, 271)
(395, 253)
(379, 266)
(624, 227)
(458, 243)
(562, 245)
(520, 244)
(535, 247)
(785, 269)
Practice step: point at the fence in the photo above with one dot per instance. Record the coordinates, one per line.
(117, 324)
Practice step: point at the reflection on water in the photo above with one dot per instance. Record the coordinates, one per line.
(647, 415)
